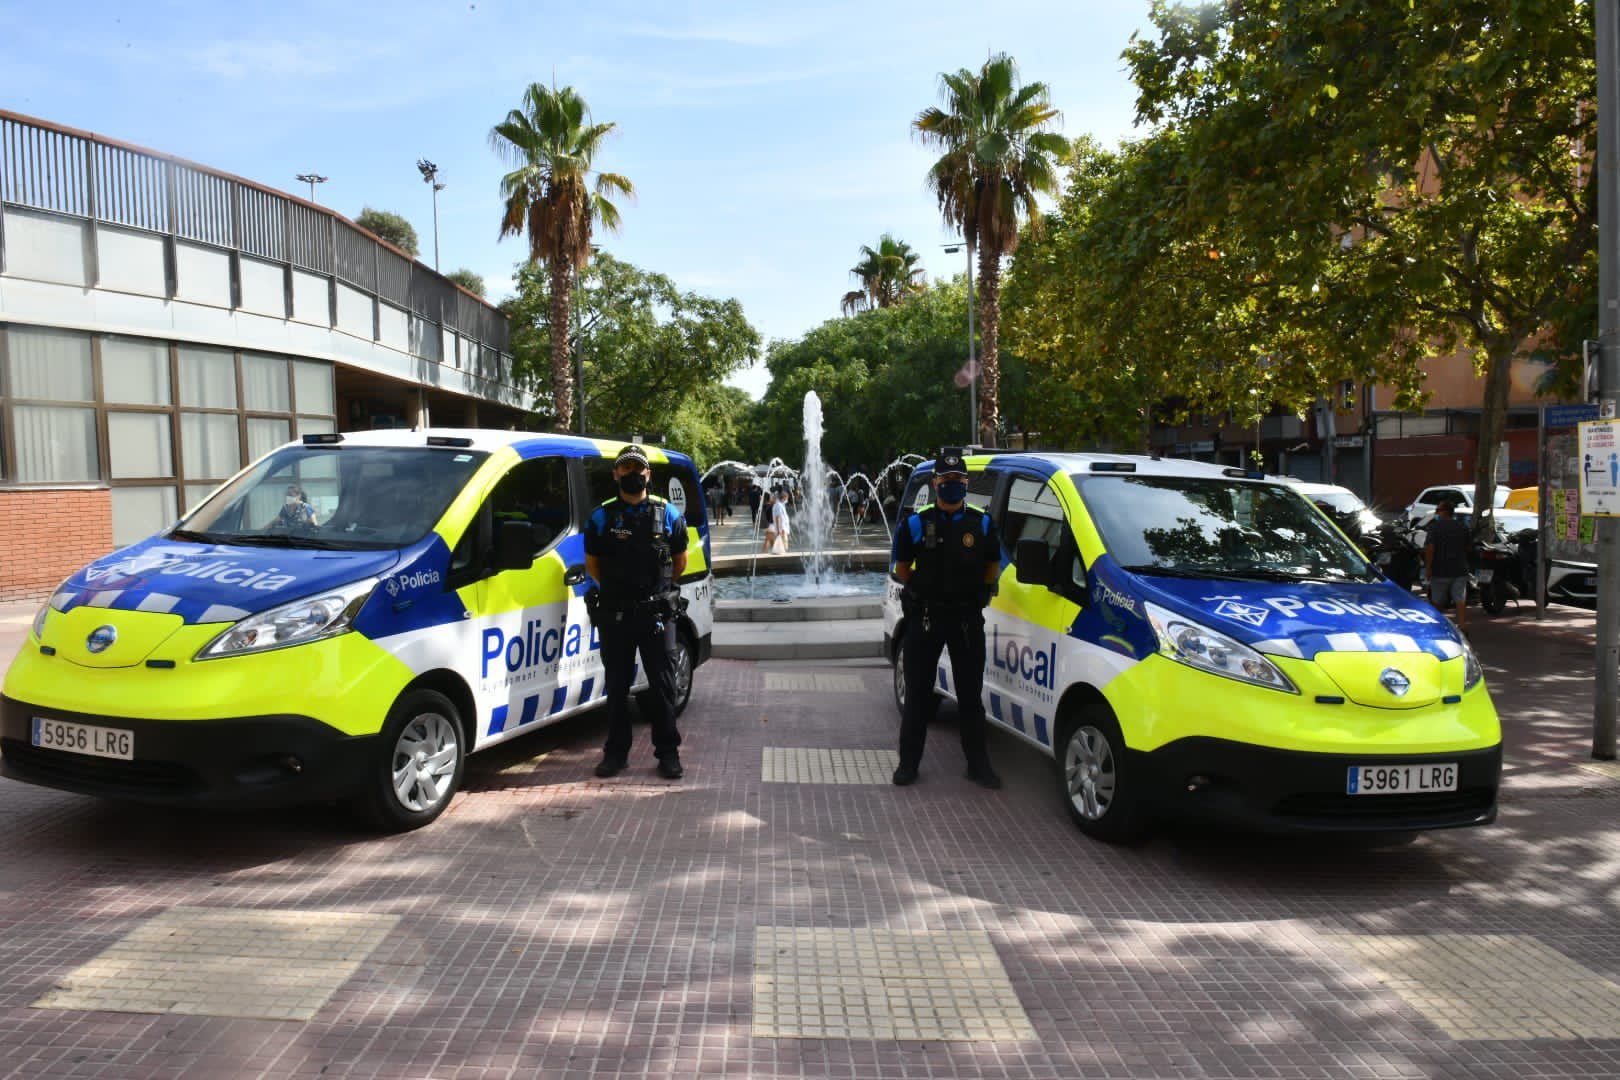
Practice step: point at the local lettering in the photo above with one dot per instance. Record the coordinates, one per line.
(535, 644)
(1290, 606)
(1037, 666)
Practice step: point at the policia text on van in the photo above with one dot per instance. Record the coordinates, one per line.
(424, 600)
(1182, 638)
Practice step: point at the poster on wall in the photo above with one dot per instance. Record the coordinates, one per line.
(1570, 537)
(1599, 465)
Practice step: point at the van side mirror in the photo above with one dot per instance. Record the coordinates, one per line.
(1033, 562)
(514, 546)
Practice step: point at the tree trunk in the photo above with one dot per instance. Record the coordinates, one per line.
(1499, 350)
(562, 370)
(989, 351)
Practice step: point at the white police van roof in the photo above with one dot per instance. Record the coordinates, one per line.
(487, 439)
(1142, 465)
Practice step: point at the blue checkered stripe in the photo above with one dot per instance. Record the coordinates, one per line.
(591, 690)
(1307, 645)
(1010, 713)
(192, 609)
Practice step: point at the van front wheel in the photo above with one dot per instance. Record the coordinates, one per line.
(420, 762)
(1095, 779)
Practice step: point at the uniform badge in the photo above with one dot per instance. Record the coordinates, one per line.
(967, 540)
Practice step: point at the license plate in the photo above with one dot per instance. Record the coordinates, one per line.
(84, 739)
(1385, 559)
(1485, 576)
(1401, 779)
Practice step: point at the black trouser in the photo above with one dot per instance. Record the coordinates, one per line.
(639, 630)
(962, 632)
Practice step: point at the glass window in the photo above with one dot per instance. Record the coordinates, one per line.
(211, 448)
(139, 512)
(668, 482)
(535, 491)
(310, 426)
(312, 383)
(55, 445)
(264, 436)
(134, 371)
(207, 377)
(196, 493)
(138, 445)
(51, 365)
(264, 383)
(385, 496)
(1216, 527)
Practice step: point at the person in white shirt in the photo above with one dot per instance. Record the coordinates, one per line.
(776, 537)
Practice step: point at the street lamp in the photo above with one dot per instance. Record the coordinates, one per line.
(311, 179)
(430, 175)
(973, 366)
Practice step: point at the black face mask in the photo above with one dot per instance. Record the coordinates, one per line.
(633, 484)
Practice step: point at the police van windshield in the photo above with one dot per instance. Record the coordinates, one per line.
(354, 497)
(1214, 527)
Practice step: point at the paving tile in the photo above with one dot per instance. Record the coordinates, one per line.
(827, 765)
(201, 961)
(814, 682)
(1492, 986)
(824, 983)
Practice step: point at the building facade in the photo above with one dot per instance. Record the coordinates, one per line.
(163, 324)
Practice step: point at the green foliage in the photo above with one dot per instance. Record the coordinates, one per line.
(1433, 158)
(390, 226)
(473, 283)
(655, 358)
(888, 274)
(886, 379)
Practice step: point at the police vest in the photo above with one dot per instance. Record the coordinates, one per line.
(948, 562)
(637, 562)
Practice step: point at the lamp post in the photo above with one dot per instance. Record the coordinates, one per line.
(430, 175)
(311, 179)
(973, 366)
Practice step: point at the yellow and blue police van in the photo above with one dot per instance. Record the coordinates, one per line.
(347, 618)
(1184, 639)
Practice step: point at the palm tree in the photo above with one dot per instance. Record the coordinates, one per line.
(553, 193)
(997, 155)
(888, 274)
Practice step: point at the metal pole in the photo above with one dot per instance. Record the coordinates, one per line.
(973, 366)
(436, 188)
(1607, 691)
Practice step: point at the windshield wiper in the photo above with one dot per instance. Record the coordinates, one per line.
(1252, 573)
(196, 537)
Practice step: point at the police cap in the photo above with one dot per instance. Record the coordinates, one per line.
(631, 454)
(949, 462)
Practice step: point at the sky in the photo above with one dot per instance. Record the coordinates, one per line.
(767, 142)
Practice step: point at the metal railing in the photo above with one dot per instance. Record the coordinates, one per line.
(44, 166)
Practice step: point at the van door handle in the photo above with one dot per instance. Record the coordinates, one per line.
(574, 574)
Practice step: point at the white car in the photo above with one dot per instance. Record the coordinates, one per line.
(1341, 500)
(1462, 494)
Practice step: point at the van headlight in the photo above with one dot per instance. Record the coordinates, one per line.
(1210, 650)
(313, 618)
(39, 621)
(1472, 672)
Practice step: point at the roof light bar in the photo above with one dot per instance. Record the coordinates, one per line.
(1113, 466)
(324, 438)
(449, 440)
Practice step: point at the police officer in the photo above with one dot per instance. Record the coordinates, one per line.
(635, 552)
(948, 555)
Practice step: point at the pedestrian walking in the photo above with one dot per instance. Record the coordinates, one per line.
(948, 557)
(635, 552)
(1446, 547)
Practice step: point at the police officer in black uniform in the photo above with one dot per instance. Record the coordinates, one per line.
(948, 555)
(635, 552)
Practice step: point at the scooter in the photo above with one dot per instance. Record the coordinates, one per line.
(1507, 569)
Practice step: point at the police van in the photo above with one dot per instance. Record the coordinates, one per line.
(1187, 639)
(349, 616)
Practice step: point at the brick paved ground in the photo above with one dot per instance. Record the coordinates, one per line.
(552, 924)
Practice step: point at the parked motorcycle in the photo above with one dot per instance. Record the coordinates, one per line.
(1507, 570)
(1391, 546)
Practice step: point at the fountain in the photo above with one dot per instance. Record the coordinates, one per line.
(815, 491)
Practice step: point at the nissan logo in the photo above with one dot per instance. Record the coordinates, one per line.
(100, 639)
(1395, 681)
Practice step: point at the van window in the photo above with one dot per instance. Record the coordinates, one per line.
(535, 491)
(982, 488)
(672, 482)
(1217, 526)
(1033, 513)
(358, 497)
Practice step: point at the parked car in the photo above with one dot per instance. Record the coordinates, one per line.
(1525, 498)
(1341, 502)
(1462, 494)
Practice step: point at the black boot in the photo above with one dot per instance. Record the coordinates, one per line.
(609, 766)
(669, 766)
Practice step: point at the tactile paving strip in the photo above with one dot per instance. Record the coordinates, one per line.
(1492, 986)
(1609, 770)
(813, 682)
(820, 765)
(205, 961)
(824, 983)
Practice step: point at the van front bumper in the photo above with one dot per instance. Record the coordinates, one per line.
(1291, 791)
(232, 761)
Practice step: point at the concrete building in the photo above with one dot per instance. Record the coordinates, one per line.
(163, 324)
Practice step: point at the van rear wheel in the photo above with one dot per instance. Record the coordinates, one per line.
(900, 675)
(419, 764)
(1103, 796)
